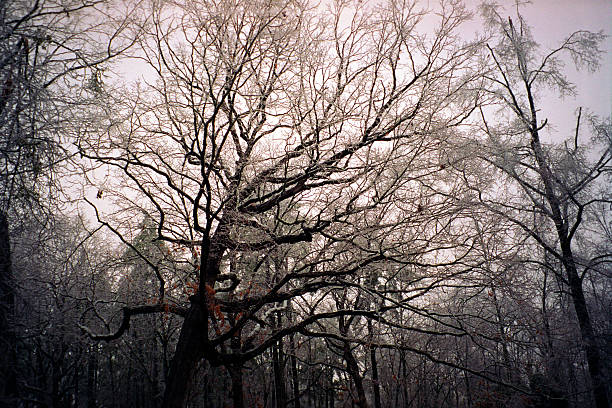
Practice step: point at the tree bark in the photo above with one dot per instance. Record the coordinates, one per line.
(375, 382)
(237, 386)
(8, 342)
(353, 369)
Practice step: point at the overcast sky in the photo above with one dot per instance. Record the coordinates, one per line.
(554, 20)
(551, 21)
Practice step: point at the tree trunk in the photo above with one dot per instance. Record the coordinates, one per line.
(468, 388)
(375, 382)
(509, 373)
(111, 374)
(294, 373)
(586, 330)
(193, 344)
(91, 378)
(353, 369)
(75, 387)
(189, 351)
(237, 386)
(8, 342)
(279, 376)
(56, 378)
(404, 377)
(332, 391)
(569, 264)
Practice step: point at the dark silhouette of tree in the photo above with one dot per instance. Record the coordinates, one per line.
(279, 127)
(47, 51)
(296, 204)
(558, 186)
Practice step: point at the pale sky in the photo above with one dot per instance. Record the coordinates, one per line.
(551, 22)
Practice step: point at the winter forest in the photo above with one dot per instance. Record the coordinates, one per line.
(304, 204)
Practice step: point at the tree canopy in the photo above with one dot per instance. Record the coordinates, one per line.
(299, 204)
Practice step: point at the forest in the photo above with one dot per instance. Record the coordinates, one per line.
(302, 204)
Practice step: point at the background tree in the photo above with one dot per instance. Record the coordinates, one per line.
(51, 51)
(555, 187)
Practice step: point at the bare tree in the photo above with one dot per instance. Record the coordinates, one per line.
(51, 51)
(555, 187)
(280, 126)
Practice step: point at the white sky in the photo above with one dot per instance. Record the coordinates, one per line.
(551, 22)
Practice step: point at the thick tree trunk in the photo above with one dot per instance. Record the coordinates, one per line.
(237, 386)
(353, 369)
(189, 352)
(8, 343)
(193, 344)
